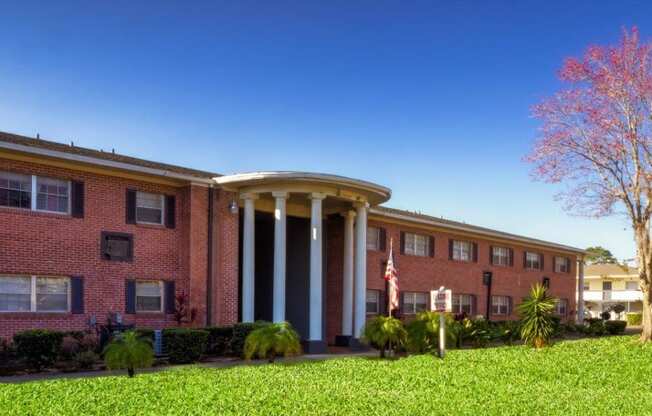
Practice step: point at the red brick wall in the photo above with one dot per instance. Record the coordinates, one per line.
(33, 243)
(225, 261)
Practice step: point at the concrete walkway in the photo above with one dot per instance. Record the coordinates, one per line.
(221, 363)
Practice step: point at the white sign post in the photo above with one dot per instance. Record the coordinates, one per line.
(442, 302)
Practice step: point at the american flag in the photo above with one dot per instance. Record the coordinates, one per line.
(392, 278)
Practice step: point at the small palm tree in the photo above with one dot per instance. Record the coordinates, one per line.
(536, 313)
(271, 340)
(128, 351)
(384, 332)
(423, 332)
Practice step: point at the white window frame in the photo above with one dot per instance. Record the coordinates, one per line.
(375, 247)
(413, 303)
(34, 194)
(162, 208)
(413, 250)
(161, 292)
(529, 263)
(503, 302)
(561, 267)
(500, 258)
(459, 251)
(32, 295)
(558, 307)
(457, 308)
(377, 292)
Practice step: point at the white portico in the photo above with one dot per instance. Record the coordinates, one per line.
(292, 207)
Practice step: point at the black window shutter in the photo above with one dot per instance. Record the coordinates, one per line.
(77, 199)
(131, 206)
(541, 261)
(77, 295)
(431, 246)
(474, 305)
(401, 302)
(130, 296)
(511, 256)
(510, 306)
(382, 237)
(450, 249)
(170, 211)
(475, 252)
(402, 242)
(382, 301)
(525, 259)
(169, 297)
(568, 265)
(491, 254)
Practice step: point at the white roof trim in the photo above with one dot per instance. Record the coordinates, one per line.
(474, 230)
(103, 162)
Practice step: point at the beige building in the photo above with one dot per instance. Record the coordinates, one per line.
(606, 285)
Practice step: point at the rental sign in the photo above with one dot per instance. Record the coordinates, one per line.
(441, 300)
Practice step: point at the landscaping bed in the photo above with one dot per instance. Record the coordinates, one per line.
(589, 376)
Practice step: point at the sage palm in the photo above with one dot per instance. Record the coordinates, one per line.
(271, 340)
(536, 313)
(384, 332)
(128, 351)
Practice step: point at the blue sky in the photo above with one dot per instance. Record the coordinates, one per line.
(429, 98)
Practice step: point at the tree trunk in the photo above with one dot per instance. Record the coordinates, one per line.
(130, 371)
(644, 248)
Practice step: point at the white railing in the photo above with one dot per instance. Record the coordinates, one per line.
(613, 295)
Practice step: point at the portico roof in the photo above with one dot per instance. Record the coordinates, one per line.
(340, 186)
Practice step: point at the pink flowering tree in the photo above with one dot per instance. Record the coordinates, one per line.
(596, 139)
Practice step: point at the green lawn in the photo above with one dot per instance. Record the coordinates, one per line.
(593, 376)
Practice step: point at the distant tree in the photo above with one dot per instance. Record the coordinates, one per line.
(596, 137)
(599, 255)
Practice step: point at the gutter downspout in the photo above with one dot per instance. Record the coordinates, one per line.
(209, 259)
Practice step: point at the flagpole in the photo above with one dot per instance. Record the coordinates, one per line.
(388, 284)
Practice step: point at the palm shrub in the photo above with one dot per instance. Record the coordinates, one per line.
(384, 332)
(536, 311)
(423, 332)
(129, 351)
(268, 341)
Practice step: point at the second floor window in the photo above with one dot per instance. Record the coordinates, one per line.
(414, 302)
(462, 250)
(373, 302)
(562, 264)
(501, 256)
(52, 195)
(373, 238)
(416, 244)
(15, 190)
(34, 192)
(632, 285)
(149, 208)
(533, 261)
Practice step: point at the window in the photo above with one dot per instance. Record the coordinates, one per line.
(414, 302)
(562, 264)
(633, 285)
(417, 244)
(52, 195)
(463, 304)
(500, 305)
(34, 294)
(462, 250)
(532, 260)
(500, 256)
(561, 308)
(373, 238)
(149, 208)
(587, 286)
(149, 296)
(117, 246)
(373, 302)
(15, 190)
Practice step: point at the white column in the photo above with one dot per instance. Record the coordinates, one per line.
(248, 257)
(347, 275)
(278, 301)
(360, 292)
(580, 290)
(316, 267)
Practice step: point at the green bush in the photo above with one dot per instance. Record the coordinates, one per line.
(615, 327)
(38, 348)
(384, 332)
(240, 333)
(86, 359)
(272, 340)
(479, 331)
(536, 311)
(423, 333)
(507, 331)
(219, 340)
(128, 351)
(596, 327)
(634, 318)
(184, 345)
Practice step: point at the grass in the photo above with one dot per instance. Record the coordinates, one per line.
(592, 376)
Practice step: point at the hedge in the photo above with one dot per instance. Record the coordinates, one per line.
(240, 333)
(634, 318)
(38, 348)
(184, 345)
(615, 327)
(219, 340)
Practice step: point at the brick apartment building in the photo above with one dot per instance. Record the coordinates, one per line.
(85, 234)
